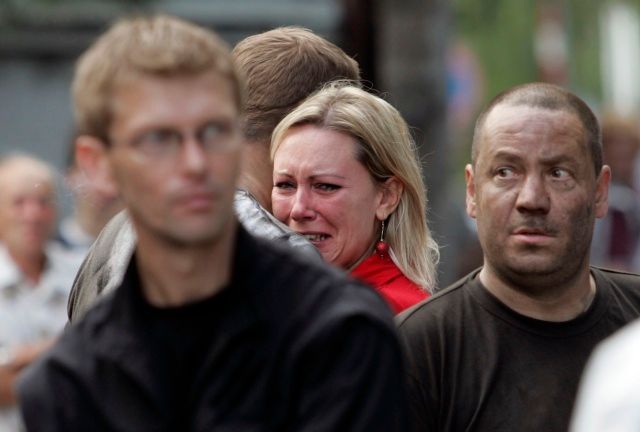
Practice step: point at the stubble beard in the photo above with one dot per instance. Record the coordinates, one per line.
(536, 279)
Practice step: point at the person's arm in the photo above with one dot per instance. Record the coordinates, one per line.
(13, 362)
(350, 378)
(53, 394)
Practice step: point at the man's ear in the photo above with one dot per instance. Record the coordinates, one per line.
(471, 190)
(92, 161)
(391, 191)
(602, 192)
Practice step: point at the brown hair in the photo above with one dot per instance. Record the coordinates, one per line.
(281, 68)
(159, 45)
(549, 97)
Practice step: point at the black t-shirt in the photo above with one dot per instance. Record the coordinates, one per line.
(184, 335)
(476, 365)
(287, 346)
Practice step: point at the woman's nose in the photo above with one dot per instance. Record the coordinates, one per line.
(302, 207)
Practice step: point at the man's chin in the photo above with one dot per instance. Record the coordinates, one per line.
(199, 233)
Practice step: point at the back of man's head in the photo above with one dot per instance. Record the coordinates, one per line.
(159, 45)
(281, 68)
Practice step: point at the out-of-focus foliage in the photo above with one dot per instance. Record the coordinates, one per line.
(500, 32)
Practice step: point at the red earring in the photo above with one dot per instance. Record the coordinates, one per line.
(382, 248)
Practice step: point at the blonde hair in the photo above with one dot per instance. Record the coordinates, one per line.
(282, 67)
(159, 45)
(387, 150)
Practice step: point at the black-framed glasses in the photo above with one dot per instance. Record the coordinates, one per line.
(166, 143)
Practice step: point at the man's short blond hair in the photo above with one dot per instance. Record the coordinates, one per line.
(158, 45)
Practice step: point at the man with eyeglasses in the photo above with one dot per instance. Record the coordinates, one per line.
(210, 328)
(281, 68)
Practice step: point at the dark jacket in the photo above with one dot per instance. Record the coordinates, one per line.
(286, 346)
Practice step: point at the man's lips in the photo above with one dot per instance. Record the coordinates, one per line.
(533, 232)
(197, 201)
(532, 236)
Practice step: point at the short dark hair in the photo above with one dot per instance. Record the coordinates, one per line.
(549, 97)
(281, 68)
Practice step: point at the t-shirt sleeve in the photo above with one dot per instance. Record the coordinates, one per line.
(349, 378)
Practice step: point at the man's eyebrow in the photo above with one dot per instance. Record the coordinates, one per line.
(505, 155)
(555, 159)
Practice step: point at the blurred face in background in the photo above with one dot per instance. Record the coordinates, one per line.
(27, 206)
(620, 152)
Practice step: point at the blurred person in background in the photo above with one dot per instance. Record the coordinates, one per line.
(35, 273)
(346, 177)
(281, 67)
(211, 328)
(616, 236)
(92, 205)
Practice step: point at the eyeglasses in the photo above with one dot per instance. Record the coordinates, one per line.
(166, 143)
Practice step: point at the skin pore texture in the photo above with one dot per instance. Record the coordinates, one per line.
(324, 193)
(534, 194)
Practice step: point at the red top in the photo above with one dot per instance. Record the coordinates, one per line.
(383, 274)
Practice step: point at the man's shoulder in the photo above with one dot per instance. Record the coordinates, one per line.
(619, 277)
(622, 285)
(289, 286)
(259, 222)
(439, 307)
(73, 351)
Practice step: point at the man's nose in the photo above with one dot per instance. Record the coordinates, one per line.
(533, 195)
(35, 209)
(193, 156)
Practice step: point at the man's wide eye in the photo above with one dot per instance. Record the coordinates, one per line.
(559, 173)
(504, 172)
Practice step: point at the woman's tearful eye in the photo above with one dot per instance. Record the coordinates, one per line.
(327, 187)
(284, 185)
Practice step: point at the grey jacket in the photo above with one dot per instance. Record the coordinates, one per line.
(107, 260)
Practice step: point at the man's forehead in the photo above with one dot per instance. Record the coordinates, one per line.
(177, 86)
(513, 120)
(510, 116)
(132, 79)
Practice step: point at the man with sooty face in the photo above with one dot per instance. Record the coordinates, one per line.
(504, 347)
